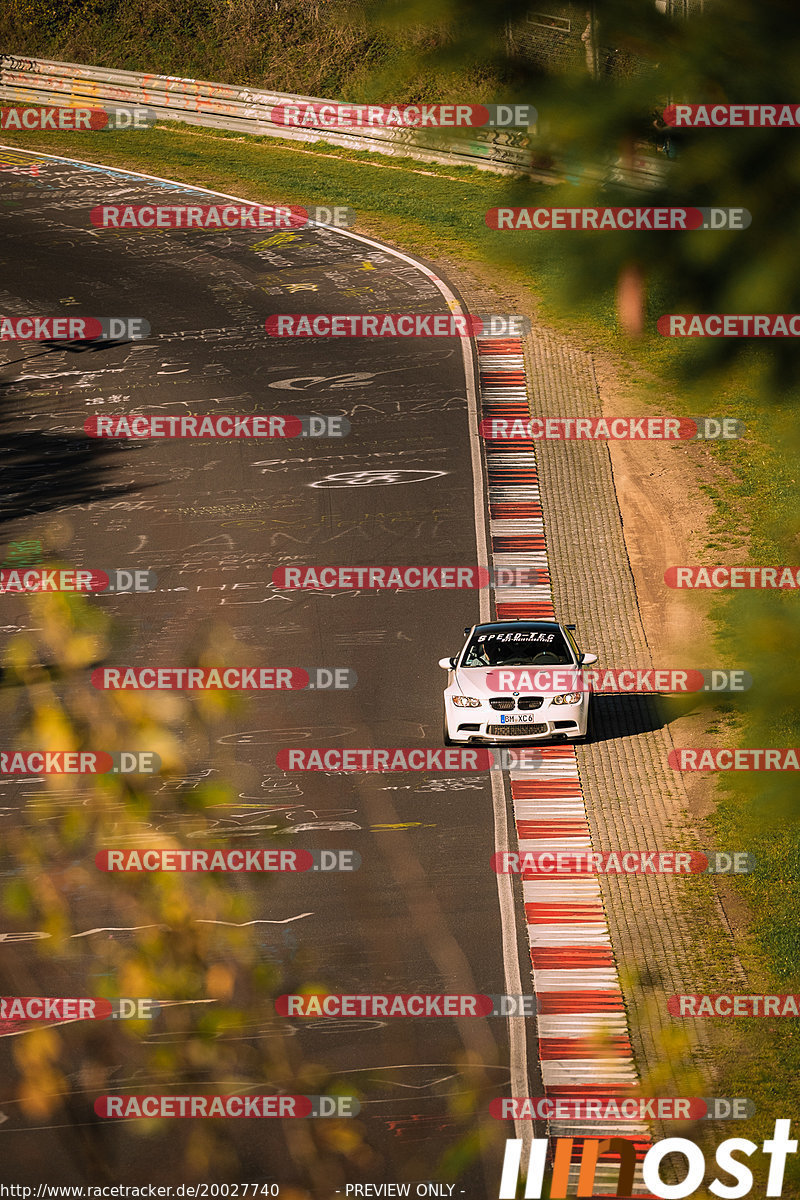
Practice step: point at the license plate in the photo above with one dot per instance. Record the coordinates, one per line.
(517, 718)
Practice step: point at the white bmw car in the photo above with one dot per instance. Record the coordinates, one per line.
(504, 684)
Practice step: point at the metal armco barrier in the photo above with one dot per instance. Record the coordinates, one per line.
(245, 110)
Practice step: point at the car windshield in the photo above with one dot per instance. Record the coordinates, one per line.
(518, 648)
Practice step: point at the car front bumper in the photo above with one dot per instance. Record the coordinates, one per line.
(484, 724)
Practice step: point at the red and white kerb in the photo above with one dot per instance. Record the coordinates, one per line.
(516, 525)
(575, 977)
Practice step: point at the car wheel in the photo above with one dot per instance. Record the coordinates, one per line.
(448, 741)
(587, 737)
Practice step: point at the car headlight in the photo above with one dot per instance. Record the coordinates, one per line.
(466, 702)
(568, 698)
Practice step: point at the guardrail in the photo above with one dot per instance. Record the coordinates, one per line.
(247, 110)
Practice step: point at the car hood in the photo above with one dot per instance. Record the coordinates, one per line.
(481, 682)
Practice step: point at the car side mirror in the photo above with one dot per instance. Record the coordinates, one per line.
(447, 663)
(588, 659)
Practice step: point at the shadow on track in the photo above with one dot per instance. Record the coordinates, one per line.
(43, 471)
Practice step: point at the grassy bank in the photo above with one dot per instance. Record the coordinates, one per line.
(304, 47)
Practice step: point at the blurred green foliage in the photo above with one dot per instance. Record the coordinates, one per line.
(185, 940)
(740, 51)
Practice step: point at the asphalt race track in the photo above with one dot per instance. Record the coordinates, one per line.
(213, 520)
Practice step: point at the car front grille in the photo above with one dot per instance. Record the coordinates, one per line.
(503, 705)
(514, 730)
(526, 703)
